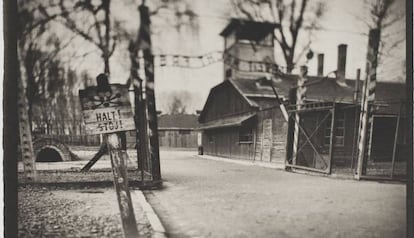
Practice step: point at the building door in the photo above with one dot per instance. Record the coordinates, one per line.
(384, 158)
(383, 133)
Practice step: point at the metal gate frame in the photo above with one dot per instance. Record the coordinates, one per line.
(329, 108)
(367, 158)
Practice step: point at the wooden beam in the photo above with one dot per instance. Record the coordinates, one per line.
(102, 150)
(394, 149)
(308, 168)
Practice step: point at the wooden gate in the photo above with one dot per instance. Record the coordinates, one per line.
(312, 128)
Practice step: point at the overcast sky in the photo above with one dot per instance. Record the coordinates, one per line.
(341, 26)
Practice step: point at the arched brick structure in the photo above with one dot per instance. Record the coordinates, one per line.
(62, 150)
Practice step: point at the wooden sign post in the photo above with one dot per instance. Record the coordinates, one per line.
(107, 110)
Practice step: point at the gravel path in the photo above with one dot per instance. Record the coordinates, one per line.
(46, 212)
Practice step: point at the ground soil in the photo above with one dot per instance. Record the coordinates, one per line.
(49, 212)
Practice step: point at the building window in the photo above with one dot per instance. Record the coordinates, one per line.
(228, 73)
(210, 138)
(161, 133)
(339, 130)
(184, 132)
(245, 134)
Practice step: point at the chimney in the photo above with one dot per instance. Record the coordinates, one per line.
(356, 91)
(341, 63)
(320, 65)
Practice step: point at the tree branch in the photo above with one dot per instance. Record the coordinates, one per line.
(158, 8)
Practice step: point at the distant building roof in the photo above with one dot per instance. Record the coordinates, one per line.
(388, 94)
(232, 121)
(178, 121)
(327, 90)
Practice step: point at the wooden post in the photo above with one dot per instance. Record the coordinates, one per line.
(141, 136)
(300, 97)
(144, 146)
(116, 148)
(119, 169)
(356, 98)
(332, 139)
(290, 132)
(368, 95)
(144, 43)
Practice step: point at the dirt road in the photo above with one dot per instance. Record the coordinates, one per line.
(205, 198)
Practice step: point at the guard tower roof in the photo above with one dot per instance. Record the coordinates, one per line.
(250, 30)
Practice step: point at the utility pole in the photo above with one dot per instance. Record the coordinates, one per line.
(368, 96)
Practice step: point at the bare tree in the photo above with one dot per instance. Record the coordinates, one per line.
(31, 28)
(177, 106)
(176, 102)
(36, 64)
(46, 83)
(41, 68)
(86, 79)
(295, 16)
(91, 20)
(383, 15)
(38, 51)
(380, 13)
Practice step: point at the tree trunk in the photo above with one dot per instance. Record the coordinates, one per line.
(289, 65)
(106, 69)
(106, 6)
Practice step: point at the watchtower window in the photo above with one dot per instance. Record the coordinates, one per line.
(265, 41)
(244, 31)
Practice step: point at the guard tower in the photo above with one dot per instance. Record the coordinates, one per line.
(246, 42)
